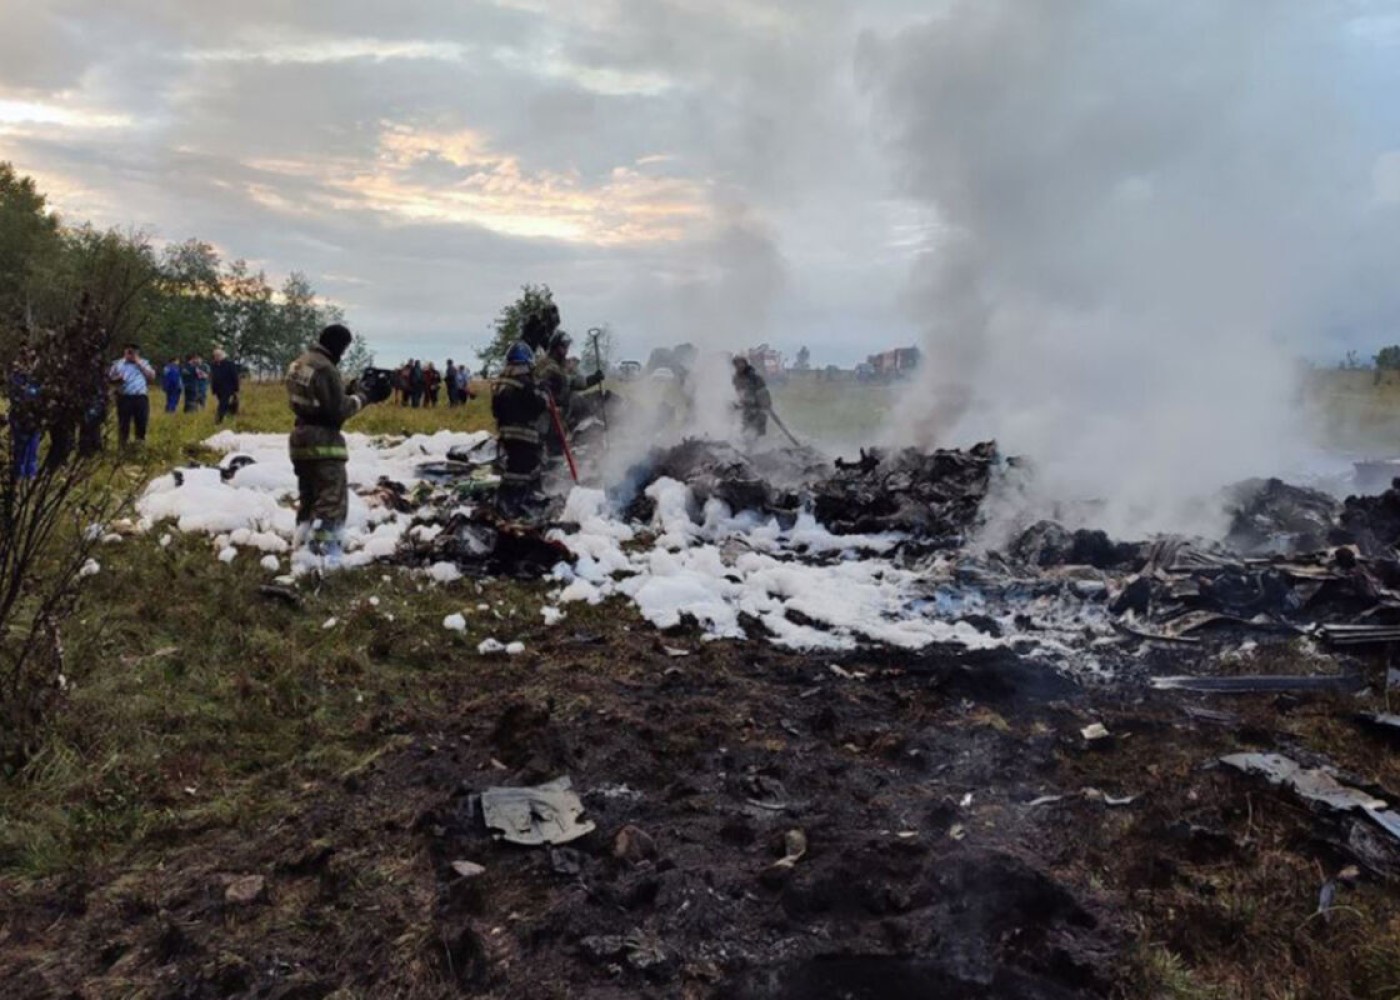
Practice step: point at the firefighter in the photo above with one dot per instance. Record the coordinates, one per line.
(754, 398)
(321, 403)
(518, 404)
(555, 378)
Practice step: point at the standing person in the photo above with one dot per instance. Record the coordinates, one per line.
(321, 404)
(172, 383)
(189, 382)
(754, 398)
(449, 382)
(224, 383)
(26, 423)
(461, 380)
(432, 383)
(201, 368)
(415, 384)
(133, 377)
(561, 380)
(518, 405)
(401, 382)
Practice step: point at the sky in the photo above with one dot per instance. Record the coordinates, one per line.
(720, 171)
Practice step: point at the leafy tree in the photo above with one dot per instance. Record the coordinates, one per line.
(111, 273)
(248, 316)
(192, 300)
(30, 247)
(298, 322)
(507, 325)
(804, 360)
(1388, 358)
(358, 357)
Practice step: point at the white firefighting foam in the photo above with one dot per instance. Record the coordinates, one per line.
(809, 588)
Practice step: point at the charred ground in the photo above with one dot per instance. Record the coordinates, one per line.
(256, 798)
(915, 780)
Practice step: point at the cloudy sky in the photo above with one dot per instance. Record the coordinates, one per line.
(721, 170)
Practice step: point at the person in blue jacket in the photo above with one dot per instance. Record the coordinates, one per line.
(172, 383)
(26, 427)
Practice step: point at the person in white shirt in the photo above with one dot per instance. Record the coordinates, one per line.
(132, 376)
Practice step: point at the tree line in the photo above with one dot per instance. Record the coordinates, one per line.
(180, 299)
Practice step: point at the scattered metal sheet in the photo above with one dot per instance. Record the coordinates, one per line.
(1211, 715)
(1261, 683)
(545, 814)
(1137, 632)
(1312, 784)
(1359, 635)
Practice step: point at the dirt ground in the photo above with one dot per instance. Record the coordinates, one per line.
(935, 863)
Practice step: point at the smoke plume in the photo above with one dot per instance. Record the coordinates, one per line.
(1145, 210)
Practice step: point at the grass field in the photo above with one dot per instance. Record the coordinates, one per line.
(203, 716)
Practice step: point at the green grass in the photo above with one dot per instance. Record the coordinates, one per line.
(198, 704)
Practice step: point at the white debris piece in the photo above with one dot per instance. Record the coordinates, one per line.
(271, 563)
(228, 554)
(515, 648)
(455, 623)
(166, 539)
(90, 568)
(444, 572)
(330, 623)
(552, 616)
(488, 646)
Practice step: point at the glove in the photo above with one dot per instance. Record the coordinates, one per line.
(595, 378)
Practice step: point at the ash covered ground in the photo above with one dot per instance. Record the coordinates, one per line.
(830, 739)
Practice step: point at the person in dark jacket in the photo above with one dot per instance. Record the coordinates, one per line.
(223, 382)
(432, 384)
(555, 378)
(189, 382)
(322, 403)
(518, 405)
(415, 384)
(754, 398)
(172, 383)
(201, 368)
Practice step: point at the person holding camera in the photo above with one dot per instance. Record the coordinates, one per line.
(132, 376)
(321, 403)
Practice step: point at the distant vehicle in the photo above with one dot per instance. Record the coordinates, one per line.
(628, 370)
(865, 372)
(663, 375)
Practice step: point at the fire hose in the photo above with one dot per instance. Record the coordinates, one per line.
(783, 427)
(563, 437)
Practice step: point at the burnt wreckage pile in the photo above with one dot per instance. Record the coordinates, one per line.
(934, 497)
(1294, 560)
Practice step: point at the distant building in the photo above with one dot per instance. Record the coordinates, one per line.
(768, 361)
(893, 364)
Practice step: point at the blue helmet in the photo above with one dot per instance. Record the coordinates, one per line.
(520, 353)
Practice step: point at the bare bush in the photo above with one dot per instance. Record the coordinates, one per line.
(51, 518)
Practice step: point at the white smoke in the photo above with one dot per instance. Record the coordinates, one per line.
(1146, 209)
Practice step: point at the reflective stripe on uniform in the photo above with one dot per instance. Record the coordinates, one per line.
(525, 435)
(515, 478)
(311, 453)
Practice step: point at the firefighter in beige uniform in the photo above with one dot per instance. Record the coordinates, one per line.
(322, 404)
